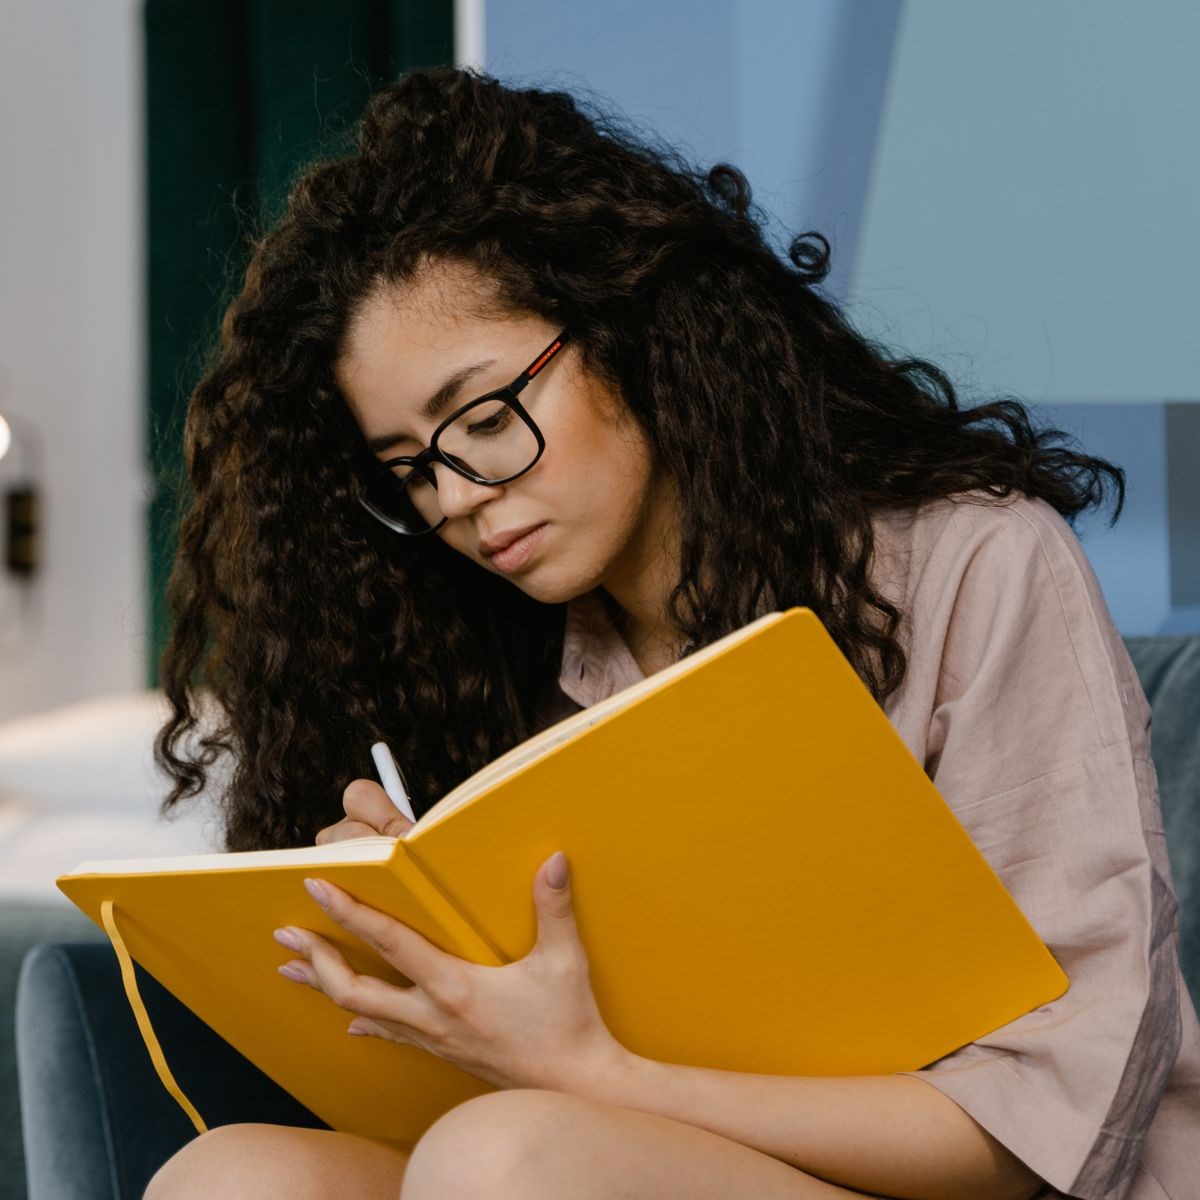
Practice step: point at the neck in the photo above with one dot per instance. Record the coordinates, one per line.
(639, 591)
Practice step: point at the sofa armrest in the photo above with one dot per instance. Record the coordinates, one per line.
(97, 1120)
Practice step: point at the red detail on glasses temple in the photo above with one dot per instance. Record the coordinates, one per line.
(541, 362)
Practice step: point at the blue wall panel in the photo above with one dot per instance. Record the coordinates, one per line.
(1131, 559)
(979, 165)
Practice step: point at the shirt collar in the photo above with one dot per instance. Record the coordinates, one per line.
(596, 661)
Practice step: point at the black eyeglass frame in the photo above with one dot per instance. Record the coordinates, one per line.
(432, 453)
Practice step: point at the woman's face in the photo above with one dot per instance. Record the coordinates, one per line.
(592, 499)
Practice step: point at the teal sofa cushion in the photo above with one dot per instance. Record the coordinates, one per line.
(1169, 670)
(22, 926)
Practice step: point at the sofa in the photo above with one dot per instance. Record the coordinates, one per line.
(43, 941)
(76, 782)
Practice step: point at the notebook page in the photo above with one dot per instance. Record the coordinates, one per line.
(363, 849)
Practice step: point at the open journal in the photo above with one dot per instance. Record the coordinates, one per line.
(764, 878)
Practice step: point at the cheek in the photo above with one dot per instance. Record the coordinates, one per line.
(458, 540)
(596, 467)
(622, 485)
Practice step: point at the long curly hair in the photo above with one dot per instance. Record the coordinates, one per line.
(317, 631)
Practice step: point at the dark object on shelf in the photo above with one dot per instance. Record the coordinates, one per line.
(21, 531)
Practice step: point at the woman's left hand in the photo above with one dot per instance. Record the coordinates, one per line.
(531, 1023)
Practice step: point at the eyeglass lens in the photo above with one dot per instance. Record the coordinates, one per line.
(490, 440)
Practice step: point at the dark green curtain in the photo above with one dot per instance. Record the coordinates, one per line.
(239, 94)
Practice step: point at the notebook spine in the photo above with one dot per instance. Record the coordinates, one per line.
(470, 942)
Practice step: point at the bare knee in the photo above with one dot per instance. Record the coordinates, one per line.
(476, 1149)
(253, 1161)
(225, 1161)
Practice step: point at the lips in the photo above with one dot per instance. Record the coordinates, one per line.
(504, 540)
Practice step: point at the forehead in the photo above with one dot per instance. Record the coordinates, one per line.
(402, 335)
(430, 311)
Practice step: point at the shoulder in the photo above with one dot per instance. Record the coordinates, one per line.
(991, 560)
(977, 530)
(1001, 589)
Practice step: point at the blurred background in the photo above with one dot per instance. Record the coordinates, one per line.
(1010, 190)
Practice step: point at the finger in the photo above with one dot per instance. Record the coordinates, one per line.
(324, 968)
(557, 933)
(345, 829)
(437, 973)
(365, 1027)
(364, 800)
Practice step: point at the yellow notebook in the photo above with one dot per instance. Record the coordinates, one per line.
(764, 878)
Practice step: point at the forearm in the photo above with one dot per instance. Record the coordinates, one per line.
(889, 1135)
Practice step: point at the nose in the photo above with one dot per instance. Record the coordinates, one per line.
(458, 496)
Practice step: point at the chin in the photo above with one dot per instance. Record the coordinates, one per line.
(548, 587)
(545, 593)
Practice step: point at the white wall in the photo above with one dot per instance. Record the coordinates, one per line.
(72, 340)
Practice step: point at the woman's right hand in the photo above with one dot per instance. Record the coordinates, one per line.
(369, 813)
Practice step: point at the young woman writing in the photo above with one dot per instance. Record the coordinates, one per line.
(512, 411)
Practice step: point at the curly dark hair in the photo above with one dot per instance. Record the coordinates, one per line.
(317, 631)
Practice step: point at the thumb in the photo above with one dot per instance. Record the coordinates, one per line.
(365, 801)
(555, 912)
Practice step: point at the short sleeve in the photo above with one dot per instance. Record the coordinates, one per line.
(1038, 738)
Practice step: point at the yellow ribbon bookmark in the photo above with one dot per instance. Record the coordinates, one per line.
(143, 1019)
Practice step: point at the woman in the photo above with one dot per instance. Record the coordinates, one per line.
(512, 411)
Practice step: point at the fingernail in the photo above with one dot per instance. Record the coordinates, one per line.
(356, 1031)
(556, 870)
(294, 973)
(318, 891)
(285, 937)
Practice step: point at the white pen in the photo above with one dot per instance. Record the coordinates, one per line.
(389, 776)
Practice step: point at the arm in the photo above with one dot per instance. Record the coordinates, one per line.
(535, 1023)
(891, 1135)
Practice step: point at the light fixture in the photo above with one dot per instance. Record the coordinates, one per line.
(5, 436)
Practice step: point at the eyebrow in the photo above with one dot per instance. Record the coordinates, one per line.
(435, 405)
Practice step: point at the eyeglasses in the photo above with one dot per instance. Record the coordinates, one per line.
(492, 440)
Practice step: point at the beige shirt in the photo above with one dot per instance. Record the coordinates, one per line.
(1024, 708)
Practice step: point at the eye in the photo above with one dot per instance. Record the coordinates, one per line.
(493, 424)
(413, 480)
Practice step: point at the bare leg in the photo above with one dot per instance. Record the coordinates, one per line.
(529, 1144)
(264, 1162)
